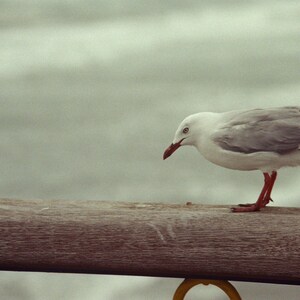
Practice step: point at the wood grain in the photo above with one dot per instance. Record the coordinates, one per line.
(165, 240)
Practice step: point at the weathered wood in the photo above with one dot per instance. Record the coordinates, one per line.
(192, 241)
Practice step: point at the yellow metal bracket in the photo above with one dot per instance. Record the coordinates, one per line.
(224, 285)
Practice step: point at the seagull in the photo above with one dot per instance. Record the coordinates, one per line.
(256, 139)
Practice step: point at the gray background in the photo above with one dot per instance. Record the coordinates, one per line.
(91, 93)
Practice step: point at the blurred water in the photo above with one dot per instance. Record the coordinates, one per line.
(91, 93)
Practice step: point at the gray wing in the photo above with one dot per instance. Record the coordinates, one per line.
(272, 130)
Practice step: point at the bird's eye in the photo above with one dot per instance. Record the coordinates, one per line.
(185, 130)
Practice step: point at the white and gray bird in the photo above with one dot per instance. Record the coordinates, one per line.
(256, 139)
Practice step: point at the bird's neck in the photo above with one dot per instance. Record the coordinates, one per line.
(207, 124)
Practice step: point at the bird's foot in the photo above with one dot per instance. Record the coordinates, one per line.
(246, 204)
(246, 208)
(266, 201)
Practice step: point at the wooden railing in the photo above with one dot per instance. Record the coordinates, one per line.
(165, 240)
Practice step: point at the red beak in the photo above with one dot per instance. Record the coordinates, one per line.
(171, 149)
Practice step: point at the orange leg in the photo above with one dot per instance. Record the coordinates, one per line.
(268, 198)
(264, 197)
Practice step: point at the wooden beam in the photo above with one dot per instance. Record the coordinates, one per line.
(165, 240)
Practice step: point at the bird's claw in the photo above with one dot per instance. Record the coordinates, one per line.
(249, 208)
(246, 204)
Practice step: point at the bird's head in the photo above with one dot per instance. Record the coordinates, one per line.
(186, 134)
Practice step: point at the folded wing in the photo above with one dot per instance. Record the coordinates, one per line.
(271, 130)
